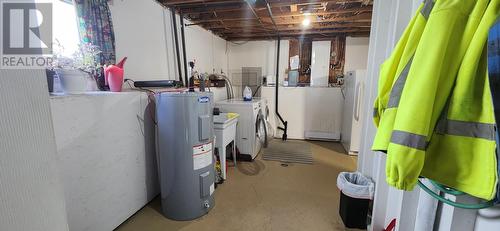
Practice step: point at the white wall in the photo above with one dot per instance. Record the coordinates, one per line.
(311, 112)
(144, 33)
(207, 49)
(31, 193)
(258, 54)
(356, 53)
(263, 54)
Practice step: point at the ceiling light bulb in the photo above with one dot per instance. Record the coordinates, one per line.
(306, 22)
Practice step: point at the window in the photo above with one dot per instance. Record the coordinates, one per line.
(65, 27)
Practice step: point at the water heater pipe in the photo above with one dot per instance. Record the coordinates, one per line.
(176, 39)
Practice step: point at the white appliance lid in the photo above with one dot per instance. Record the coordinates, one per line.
(237, 101)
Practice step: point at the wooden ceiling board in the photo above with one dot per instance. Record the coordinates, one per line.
(251, 19)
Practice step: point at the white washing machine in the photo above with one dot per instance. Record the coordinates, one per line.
(264, 107)
(265, 113)
(251, 130)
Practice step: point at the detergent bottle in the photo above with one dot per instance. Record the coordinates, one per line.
(247, 94)
(113, 76)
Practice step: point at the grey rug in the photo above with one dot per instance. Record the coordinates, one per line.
(292, 151)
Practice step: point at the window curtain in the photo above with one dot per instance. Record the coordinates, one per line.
(95, 27)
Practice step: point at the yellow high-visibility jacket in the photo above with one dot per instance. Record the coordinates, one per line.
(465, 134)
(415, 84)
(453, 25)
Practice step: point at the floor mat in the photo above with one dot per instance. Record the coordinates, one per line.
(292, 151)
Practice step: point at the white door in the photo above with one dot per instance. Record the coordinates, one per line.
(320, 63)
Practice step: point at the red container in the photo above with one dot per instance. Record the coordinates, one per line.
(113, 76)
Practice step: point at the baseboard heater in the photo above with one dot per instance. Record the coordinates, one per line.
(318, 135)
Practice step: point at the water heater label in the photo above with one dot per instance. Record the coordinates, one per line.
(204, 99)
(202, 156)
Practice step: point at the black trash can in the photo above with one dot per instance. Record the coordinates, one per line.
(355, 198)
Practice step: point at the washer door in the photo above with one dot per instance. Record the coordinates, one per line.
(269, 127)
(261, 129)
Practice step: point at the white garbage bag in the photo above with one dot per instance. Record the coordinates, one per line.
(355, 185)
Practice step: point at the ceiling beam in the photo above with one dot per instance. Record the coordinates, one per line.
(184, 3)
(281, 3)
(364, 16)
(291, 26)
(208, 9)
(239, 6)
(313, 37)
(278, 3)
(298, 30)
(294, 33)
(243, 14)
(322, 13)
(327, 26)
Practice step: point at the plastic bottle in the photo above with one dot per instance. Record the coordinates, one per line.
(247, 94)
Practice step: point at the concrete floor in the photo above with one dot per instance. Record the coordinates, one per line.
(263, 195)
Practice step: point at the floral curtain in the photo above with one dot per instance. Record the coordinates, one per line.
(95, 27)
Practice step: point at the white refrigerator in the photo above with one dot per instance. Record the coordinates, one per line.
(352, 91)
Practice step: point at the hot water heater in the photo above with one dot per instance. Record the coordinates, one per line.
(185, 142)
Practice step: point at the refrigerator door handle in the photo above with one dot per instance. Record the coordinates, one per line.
(360, 99)
(356, 102)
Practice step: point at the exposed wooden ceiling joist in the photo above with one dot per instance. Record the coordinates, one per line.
(239, 6)
(236, 27)
(328, 36)
(196, 2)
(363, 17)
(231, 33)
(250, 19)
(243, 15)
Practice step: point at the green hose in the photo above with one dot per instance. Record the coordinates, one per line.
(482, 205)
(445, 189)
